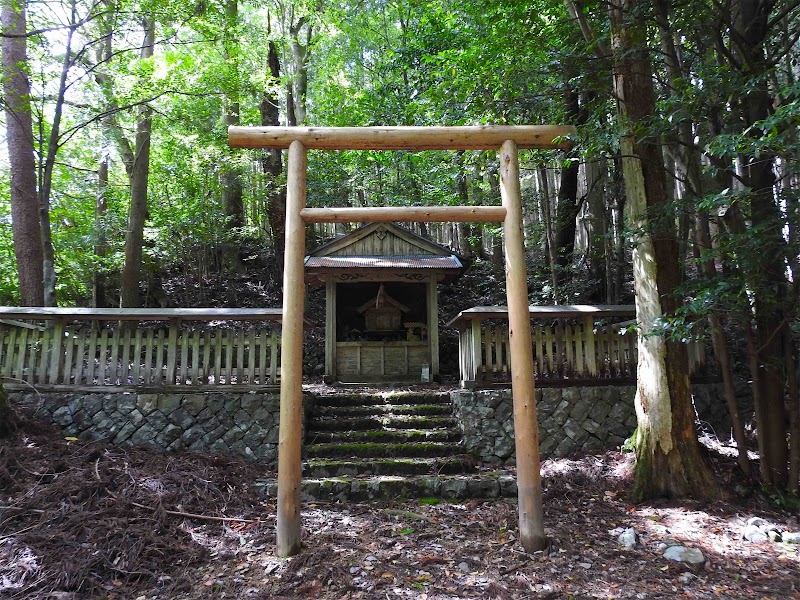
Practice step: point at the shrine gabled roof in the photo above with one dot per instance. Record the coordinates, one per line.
(381, 239)
(384, 262)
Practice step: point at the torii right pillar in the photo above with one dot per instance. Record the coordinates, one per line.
(526, 428)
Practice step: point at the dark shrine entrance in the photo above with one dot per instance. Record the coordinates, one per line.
(382, 316)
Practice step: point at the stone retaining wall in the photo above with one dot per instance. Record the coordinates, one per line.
(571, 419)
(233, 423)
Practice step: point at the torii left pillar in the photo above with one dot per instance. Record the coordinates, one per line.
(291, 419)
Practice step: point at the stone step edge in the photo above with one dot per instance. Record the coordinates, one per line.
(381, 399)
(385, 435)
(421, 410)
(382, 449)
(406, 467)
(369, 423)
(394, 487)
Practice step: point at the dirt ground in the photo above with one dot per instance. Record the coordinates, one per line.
(94, 521)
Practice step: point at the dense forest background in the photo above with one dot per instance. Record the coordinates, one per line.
(119, 182)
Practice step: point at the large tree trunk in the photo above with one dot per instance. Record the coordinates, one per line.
(668, 458)
(750, 23)
(25, 223)
(140, 171)
(687, 159)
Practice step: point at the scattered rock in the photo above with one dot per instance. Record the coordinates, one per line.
(691, 556)
(585, 565)
(790, 537)
(628, 538)
(758, 522)
(463, 566)
(755, 534)
(686, 577)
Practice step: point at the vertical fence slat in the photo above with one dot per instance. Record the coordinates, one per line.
(101, 373)
(240, 338)
(91, 353)
(261, 372)
(53, 358)
(251, 357)
(137, 356)
(194, 359)
(147, 376)
(10, 354)
(69, 341)
(23, 350)
(35, 347)
(3, 341)
(218, 356)
(206, 368)
(588, 335)
(43, 355)
(273, 356)
(161, 355)
(172, 350)
(230, 341)
(183, 338)
(82, 355)
(577, 337)
(125, 365)
(115, 343)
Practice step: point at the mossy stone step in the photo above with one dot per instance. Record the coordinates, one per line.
(379, 422)
(448, 487)
(389, 466)
(378, 399)
(384, 435)
(378, 450)
(383, 409)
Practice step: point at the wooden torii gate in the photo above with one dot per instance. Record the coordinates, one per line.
(508, 139)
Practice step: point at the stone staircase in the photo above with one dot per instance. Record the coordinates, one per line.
(365, 446)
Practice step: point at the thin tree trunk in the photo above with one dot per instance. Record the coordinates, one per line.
(567, 204)
(498, 257)
(668, 458)
(272, 163)
(25, 223)
(232, 189)
(134, 236)
(549, 236)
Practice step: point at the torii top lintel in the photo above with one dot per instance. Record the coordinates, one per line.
(472, 137)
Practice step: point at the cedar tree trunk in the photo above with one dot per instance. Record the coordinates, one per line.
(668, 458)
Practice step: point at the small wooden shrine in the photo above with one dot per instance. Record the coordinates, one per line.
(382, 310)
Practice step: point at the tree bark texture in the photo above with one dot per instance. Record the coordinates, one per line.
(26, 230)
(140, 172)
(750, 20)
(567, 205)
(668, 458)
(272, 163)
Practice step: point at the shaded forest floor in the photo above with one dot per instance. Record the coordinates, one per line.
(95, 521)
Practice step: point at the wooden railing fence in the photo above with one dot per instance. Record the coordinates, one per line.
(570, 343)
(93, 348)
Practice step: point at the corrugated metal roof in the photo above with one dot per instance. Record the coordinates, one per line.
(383, 262)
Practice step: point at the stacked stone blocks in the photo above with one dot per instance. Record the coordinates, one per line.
(245, 424)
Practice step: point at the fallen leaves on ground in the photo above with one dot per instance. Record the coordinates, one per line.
(95, 521)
